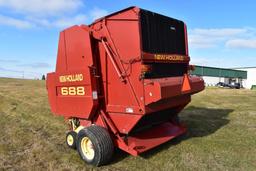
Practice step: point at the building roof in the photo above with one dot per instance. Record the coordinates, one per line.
(244, 67)
(219, 72)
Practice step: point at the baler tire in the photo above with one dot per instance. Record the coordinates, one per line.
(71, 143)
(101, 142)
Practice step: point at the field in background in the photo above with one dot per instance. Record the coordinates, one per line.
(221, 134)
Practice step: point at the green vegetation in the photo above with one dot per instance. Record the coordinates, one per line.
(221, 134)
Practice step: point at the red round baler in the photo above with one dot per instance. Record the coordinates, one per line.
(121, 82)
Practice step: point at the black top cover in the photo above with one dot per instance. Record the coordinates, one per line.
(161, 34)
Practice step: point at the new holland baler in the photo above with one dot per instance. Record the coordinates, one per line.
(121, 82)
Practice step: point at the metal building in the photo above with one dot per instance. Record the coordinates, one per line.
(251, 77)
(212, 75)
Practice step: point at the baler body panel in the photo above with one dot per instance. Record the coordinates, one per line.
(107, 59)
(122, 32)
(73, 74)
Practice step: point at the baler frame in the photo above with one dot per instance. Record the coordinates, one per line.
(92, 60)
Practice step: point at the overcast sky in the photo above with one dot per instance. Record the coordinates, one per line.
(221, 33)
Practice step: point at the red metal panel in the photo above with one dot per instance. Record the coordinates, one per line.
(197, 84)
(61, 64)
(75, 50)
(130, 13)
(120, 27)
(170, 103)
(163, 88)
(124, 122)
(78, 49)
(68, 104)
(154, 136)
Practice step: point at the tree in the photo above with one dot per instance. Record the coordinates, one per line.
(43, 77)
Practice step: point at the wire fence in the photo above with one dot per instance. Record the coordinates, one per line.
(20, 74)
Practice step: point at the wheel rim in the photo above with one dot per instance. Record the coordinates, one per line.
(87, 148)
(70, 140)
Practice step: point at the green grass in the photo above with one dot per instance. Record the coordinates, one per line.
(221, 134)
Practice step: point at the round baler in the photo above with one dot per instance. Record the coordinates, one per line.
(121, 82)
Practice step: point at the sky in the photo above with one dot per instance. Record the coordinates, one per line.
(221, 33)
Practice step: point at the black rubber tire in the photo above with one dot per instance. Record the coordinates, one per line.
(74, 135)
(102, 145)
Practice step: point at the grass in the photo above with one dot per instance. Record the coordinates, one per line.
(221, 134)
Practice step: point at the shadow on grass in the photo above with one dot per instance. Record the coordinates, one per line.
(204, 121)
(200, 122)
